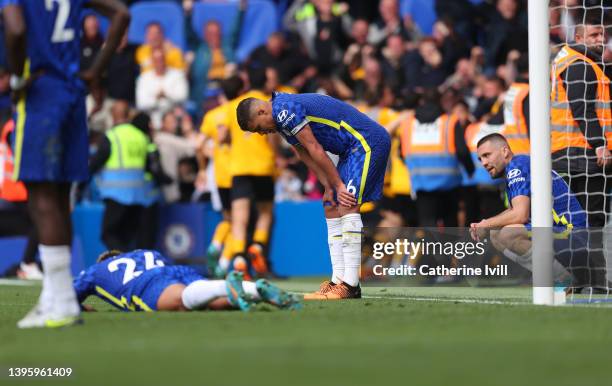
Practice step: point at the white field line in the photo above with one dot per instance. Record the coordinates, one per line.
(444, 299)
(469, 301)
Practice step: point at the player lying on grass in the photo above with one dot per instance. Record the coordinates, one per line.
(145, 280)
(315, 124)
(511, 230)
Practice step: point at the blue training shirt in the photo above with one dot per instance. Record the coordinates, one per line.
(53, 30)
(337, 126)
(565, 205)
(113, 279)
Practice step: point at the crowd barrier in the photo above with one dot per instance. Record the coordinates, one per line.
(298, 245)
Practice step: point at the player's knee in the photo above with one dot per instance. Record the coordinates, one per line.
(331, 212)
(171, 299)
(496, 241)
(510, 235)
(265, 208)
(343, 210)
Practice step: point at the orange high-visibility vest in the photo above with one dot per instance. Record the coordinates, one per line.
(10, 190)
(430, 154)
(474, 133)
(565, 131)
(515, 123)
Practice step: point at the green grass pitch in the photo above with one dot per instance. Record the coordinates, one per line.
(395, 336)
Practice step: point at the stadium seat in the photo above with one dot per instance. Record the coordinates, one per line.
(422, 11)
(169, 14)
(259, 22)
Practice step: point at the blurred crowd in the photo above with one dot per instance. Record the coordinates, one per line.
(365, 52)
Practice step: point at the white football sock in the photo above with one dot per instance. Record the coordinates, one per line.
(351, 247)
(224, 263)
(251, 289)
(526, 261)
(334, 240)
(57, 283)
(201, 292)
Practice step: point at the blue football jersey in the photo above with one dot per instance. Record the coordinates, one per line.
(114, 279)
(53, 36)
(566, 207)
(337, 126)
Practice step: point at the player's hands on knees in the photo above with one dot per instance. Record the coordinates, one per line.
(328, 197)
(345, 198)
(478, 231)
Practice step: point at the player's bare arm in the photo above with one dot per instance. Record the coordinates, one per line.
(15, 31)
(320, 158)
(517, 214)
(328, 195)
(15, 39)
(119, 17)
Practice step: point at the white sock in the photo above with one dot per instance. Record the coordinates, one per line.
(57, 284)
(351, 247)
(201, 292)
(251, 289)
(525, 260)
(334, 240)
(224, 263)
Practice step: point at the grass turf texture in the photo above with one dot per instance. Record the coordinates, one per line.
(402, 336)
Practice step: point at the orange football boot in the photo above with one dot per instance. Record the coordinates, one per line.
(258, 260)
(324, 288)
(338, 292)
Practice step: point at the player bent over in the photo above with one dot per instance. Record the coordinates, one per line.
(510, 230)
(314, 124)
(145, 280)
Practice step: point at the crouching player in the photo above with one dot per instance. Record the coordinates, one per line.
(145, 280)
(511, 229)
(314, 124)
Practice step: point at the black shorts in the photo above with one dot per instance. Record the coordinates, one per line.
(225, 194)
(259, 188)
(403, 205)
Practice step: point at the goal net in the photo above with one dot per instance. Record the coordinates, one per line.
(580, 139)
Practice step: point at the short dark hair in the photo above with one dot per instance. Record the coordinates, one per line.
(495, 137)
(257, 77)
(107, 255)
(243, 113)
(589, 17)
(232, 86)
(522, 63)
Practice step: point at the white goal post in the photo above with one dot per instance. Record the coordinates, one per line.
(541, 164)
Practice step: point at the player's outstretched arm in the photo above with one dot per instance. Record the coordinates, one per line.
(119, 17)
(322, 161)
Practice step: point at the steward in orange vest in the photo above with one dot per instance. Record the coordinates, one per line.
(580, 110)
(516, 110)
(433, 146)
